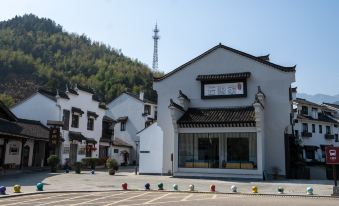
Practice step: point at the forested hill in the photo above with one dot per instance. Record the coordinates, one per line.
(37, 52)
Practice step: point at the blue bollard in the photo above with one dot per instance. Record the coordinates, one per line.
(92, 172)
(2, 190)
(147, 186)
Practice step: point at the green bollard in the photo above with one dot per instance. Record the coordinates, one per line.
(161, 186)
(40, 186)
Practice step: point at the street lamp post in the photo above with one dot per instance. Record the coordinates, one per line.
(136, 156)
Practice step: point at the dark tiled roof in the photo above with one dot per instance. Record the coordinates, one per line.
(72, 91)
(122, 119)
(137, 97)
(281, 68)
(218, 117)
(93, 114)
(103, 106)
(5, 113)
(108, 119)
(332, 105)
(182, 95)
(119, 142)
(55, 123)
(265, 57)
(304, 101)
(51, 95)
(85, 89)
(91, 140)
(24, 129)
(76, 136)
(294, 89)
(229, 76)
(321, 117)
(77, 110)
(175, 105)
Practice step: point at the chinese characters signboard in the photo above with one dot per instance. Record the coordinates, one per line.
(224, 89)
(332, 155)
(54, 136)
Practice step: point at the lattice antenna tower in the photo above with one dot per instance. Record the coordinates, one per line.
(156, 37)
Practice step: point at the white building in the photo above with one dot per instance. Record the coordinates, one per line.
(223, 114)
(132, 113)
(23, 143)
(316, 127)
(84, 124)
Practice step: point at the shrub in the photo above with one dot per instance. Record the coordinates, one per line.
(53, 162)
(90, 162)
(78, 167)
(112, 164)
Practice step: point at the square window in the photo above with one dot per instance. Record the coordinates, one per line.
(116, 150)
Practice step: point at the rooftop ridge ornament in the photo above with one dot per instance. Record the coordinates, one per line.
(155, 37)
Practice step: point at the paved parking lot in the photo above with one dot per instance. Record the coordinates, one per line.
(129, 198)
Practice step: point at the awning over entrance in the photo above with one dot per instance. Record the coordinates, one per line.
(218, 117)
(79, 137)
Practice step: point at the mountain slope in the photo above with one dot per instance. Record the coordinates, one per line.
(319, 98)
(37, 52)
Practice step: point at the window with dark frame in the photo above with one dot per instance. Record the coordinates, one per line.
(65, 119)
(304, 110)
(75, 120)
(147, 109)
(313, 128)
(310, 153)
(90, 123)
(320, 129)
(305, 127)
(116, 151)
(336, 139)
(122, 126)
(328, 130)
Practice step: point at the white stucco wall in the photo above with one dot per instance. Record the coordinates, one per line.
(125, 105)
(151, 139)
(274, 83)
(37, 107)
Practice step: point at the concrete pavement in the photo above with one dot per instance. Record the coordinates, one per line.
(101, 181)
(133, 198)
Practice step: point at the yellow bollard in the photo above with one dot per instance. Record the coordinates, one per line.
(254, 189)
(17, 188)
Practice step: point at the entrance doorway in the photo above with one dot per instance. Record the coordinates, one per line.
(73, 153)
(2, 156)
(25, 158)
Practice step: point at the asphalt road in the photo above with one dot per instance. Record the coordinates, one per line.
(129, 198)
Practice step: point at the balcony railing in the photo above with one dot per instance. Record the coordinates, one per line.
(329, 136)
(306, 134)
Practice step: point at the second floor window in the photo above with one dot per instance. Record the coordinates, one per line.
(147, 109)
(313, 128)
(320, 129)
(122, 126)
(305, 127)
(90, 123)
(75, 120)
(304, 110)
(328, 130)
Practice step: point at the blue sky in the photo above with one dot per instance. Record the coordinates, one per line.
(302, 32)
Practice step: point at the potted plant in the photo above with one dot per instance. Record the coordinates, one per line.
(112, 166)
(77, 167)
(275, 172)
(53, 162)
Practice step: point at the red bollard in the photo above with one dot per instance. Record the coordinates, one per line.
(212, 188)
(124, 186)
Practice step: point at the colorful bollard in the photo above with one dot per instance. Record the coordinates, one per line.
(234, 188)
(309, 191)
(191, 188)
(147, 186)
(280, 190)
(92, 172)
(161, 186)
(124, 186)
(254, 189)
(212, 188)
(17, 188)
(175, 187)
(40, 186)
(2, 190)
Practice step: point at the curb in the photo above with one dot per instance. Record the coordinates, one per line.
(183, 191)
